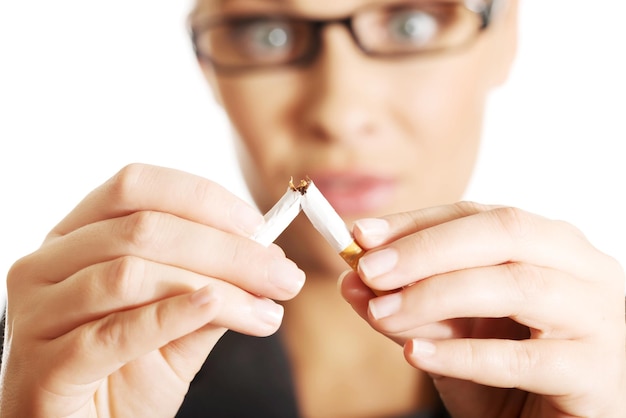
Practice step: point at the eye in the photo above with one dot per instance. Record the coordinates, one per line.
(263, 36)
(412, 26)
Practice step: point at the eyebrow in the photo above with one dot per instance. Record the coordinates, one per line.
(265, 1)
(222, 2)
(204, 8)
(203, 4)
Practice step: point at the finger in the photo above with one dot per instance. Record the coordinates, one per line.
(187, 354)
(354, 291)
(97, 349)
(548, 367)
(488, 238)
(455, 392)
(546, 300)
(374, 232)
(123, 284)
(358, 296)
(167, 239)
(139, 187)
(103, 346)
(102, 289)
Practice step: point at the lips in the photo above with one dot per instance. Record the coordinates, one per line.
(356, 194)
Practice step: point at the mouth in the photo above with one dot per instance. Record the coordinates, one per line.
(356, 194)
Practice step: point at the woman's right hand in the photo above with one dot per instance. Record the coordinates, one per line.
(118, 309)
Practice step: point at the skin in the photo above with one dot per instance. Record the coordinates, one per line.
(510, 313)
(142, 286)
(350, 112)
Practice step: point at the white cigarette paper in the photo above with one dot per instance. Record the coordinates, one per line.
(278, 218)
(325, 219)
(328, 223)
(306, 196)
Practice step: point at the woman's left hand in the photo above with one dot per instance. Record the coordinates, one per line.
(511, 313)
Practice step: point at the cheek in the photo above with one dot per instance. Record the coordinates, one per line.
(447, 107)
(443, 118)
(257, 107)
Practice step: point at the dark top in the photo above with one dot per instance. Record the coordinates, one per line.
(249, 377)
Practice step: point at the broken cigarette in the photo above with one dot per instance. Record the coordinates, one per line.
(307, 197)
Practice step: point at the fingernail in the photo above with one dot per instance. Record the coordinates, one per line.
(374, 229)
(421, 348)
(377, 263)
(202, 297)
(246, 217)
(341, 277)
(384, 306)
(268, 311)
(285, 275)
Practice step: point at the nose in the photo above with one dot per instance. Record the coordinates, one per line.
(344, 94)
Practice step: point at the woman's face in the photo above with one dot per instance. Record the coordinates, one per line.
(376, 135)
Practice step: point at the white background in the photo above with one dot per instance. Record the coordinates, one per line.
(87, 87)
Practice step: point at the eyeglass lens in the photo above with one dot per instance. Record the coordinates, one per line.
(388, 30)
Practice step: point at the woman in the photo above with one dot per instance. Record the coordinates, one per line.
(500, 312)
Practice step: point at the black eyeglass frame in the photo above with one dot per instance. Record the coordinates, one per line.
(317, 26)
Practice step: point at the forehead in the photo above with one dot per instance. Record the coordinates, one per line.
(309, 7)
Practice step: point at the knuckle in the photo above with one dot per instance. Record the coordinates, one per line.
(204, 191)
(123, 185)
(141, 229)
(518, 223)
(466, 208)
(528, 280)
(22, 274)
(106, 333)
(426, 245)
(471, 359)
(17, 274)
(161, 318)
(125, 278)
(238, 252)
(520, 364)
(414, 219)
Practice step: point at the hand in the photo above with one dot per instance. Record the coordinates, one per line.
(118, 309)
(511, 313)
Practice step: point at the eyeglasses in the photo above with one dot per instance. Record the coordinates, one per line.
(248, 42)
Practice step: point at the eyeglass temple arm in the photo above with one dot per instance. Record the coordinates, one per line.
(491, 9)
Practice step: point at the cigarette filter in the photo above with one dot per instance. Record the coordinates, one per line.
(328, 222)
